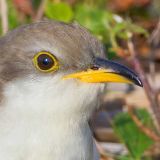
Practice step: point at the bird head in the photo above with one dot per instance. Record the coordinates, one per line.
(58, 65)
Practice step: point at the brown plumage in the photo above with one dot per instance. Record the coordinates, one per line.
(18, 47)
(51, 76)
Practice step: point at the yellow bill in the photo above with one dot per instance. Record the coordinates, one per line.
(106, 71)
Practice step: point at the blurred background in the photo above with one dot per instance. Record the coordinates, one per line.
(127, 125)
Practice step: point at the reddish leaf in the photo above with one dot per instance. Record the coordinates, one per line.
(124, 5)
(142, 2)
(120, 5)
(24, 6)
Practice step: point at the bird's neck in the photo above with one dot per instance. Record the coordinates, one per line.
(57, 100)
(55, 120)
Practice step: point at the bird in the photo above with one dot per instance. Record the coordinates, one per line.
(51, 77)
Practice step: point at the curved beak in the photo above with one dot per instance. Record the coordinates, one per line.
(104, 71)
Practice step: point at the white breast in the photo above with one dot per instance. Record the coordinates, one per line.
(46, 119)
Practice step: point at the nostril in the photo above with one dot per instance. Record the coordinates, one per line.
(94, 67)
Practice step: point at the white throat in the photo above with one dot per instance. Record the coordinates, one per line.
(46, 119)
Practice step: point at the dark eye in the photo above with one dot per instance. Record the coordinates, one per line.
(45, 62)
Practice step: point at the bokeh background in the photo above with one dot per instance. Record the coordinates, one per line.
(127, 125)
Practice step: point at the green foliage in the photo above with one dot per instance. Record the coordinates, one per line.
(110, 28)
(36, 3)
(93, 15)
(125, 158)
(93, 18)
(106, 25)
(134, 139)
(12, 16)
(59, 11)
(128, 157)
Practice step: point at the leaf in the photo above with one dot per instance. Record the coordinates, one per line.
(36, 3)
(119, 27)
(125, 157)
(120, 30)
(136, 29)
(95, 19)
(134, 139)
(24, 6)
(12, 16)
(89, 17)
(59, 11)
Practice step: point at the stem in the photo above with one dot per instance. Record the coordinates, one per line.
(143, 128)
(113, 40)
(4, 16)
(40, 11)
(150, 93)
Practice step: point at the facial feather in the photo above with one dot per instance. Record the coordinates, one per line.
(39, 111)
(47, 115)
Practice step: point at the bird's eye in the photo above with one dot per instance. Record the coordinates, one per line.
(45, 62)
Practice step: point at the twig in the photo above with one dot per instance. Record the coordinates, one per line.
(152, 66)
(144, 129)
(157, 95)
(154, 41)
(40, 11)
(155, 44)
(4, 16)
(101, 150)
(148, 89)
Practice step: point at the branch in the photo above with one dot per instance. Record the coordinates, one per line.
(140, 125)
(151, 94)
(40, 11)
(101, 151)
(154, 38)
(4, 16)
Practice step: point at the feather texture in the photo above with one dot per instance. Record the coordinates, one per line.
(43, 117)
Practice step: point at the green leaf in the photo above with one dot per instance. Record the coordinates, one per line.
(36, 3)
(119, 27)
(12, 16)
(59, 11)
(111, 54)
(90, 17)
(95, 19)
(122, 29)
(136, 29)
(134, 139)
(125, 157)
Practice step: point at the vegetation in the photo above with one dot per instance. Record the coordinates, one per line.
(119, 26)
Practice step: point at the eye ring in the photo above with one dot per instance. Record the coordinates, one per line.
(45, 62)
